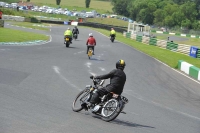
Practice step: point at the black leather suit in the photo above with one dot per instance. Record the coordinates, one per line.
(117, 81)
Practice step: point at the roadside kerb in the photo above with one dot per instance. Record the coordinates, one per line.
(189, 69)
(177, 34)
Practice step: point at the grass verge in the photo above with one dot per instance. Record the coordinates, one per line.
(11, 35)
(188, 40)
(38, 26)
(166, 56)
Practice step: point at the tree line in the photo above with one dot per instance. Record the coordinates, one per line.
(168, 13)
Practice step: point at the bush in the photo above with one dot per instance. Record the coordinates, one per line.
(87, 3)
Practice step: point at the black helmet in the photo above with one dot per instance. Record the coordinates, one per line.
(120, 64)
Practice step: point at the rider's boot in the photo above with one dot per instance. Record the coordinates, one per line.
(84, 105)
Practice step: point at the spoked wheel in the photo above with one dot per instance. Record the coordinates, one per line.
(80, 98)
(110, 110)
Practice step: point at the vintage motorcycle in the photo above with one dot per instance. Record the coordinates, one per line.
(90, 52)
(112, 38)
(108, 108)
(75, 36)
(67, 41)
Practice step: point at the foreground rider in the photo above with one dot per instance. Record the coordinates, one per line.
(75, 31)
(112, 33)
(68, 33)
(117, 82)
(91, 42)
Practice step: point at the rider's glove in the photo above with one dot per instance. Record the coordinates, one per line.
(92, 77)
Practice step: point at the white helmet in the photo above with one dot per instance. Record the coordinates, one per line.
(90, 34)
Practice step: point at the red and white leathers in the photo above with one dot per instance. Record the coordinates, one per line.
(91, 41)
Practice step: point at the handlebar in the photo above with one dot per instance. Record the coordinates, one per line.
(97, 81)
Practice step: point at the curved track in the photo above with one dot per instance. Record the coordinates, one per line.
(39, 83)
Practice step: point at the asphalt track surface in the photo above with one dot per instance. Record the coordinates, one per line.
(39, 83)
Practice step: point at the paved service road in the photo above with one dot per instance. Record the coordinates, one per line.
(39, 83)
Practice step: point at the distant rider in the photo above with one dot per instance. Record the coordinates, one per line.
(75, 31)
(117, 82)
(91, 42)
(112, 33)
(68, 33)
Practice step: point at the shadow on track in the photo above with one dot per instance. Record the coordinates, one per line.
(73, 47)
(96, 59)
(129, 124)
(125, 123)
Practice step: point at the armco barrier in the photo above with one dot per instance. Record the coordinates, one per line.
(172, 46)
(90, 24)
(103, 26)
(189, 69)
(153, 41)
(52, 22)
(14, 18)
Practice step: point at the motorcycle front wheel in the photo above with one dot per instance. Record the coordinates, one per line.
(80, 98)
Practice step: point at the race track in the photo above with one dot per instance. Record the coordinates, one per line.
(39, 83)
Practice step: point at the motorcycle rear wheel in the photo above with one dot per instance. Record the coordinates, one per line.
(112, 39)
(81, 97)
(109, 106)
(67, 44)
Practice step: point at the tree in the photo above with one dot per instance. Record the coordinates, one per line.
(58, 2)
(28, 0)
(169, 21)
(159, 16)
(87, 3)
(186, 23)
(120, 7)
(189, 10)
(178, 17)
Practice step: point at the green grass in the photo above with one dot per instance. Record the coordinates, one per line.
(11, 35)
(168, 57)
(108, 21)
(189, 41)
(99, 6)
(31, 25)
